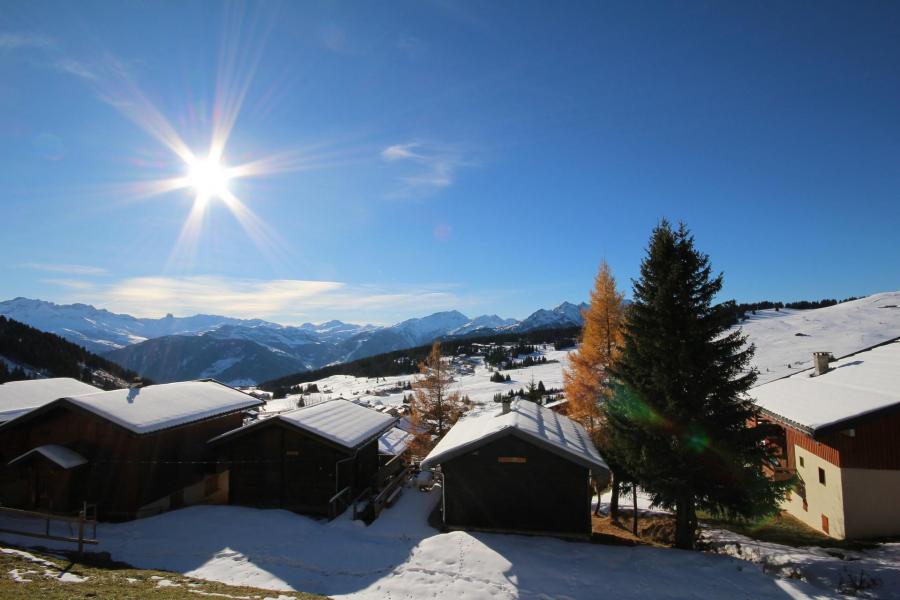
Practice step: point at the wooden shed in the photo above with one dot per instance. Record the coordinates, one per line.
(312, 460)
(131, 452)
(520, 468)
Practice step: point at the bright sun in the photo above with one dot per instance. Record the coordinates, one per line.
(208, 177)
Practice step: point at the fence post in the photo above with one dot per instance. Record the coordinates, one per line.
(81, 529)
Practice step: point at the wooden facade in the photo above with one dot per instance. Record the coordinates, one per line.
(128, 474)
(277, 465)
(865, 443)
(510, 484)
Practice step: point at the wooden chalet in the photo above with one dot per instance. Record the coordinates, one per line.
(519, 468)
(839, 429)
(131, 452)
(312, 460)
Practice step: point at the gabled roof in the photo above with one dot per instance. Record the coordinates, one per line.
(19, 397)
(156, 407)
(339, 421)
(857, 386)
(394, 441)
(528, 420)
(62, 456)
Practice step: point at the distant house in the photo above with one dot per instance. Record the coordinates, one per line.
(519, 468)
(312, 460)
(19, 397)
(839, 431)
(133, 452)
(561, 406)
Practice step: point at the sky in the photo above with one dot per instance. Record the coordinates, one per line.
(389, 160)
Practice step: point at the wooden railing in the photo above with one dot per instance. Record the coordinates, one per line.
(81, 520)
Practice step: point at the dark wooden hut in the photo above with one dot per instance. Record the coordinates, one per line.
(312, 460)
(131, 452)
(522, 468)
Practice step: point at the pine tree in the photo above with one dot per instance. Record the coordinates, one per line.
(434, 407)
(585, 381)
(680, 419)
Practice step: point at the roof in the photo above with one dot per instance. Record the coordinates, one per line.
(156, 407)
(529, 420)
(556, 403)
(19, 397)
(62, 456)
(339, 421)
(857, 386)
(394, 441)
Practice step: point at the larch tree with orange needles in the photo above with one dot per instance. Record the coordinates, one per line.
(434, 407)
(585, 379)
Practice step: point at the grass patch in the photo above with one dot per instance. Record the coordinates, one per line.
(45, 578)
(783, 529)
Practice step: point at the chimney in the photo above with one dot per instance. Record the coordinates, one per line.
(820, 360)
(506, 402)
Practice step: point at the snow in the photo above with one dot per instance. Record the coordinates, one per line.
(155, 407)
(840, 329)
(400, 556)
(394, 441)
(19, 397)
(50, 570)
(531, 421)
(62, 456)
(829, 568)
(855, 386)
(340, 421)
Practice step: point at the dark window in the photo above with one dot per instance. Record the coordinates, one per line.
(821, 475)
(801, 462)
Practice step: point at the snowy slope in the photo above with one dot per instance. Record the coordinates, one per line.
(400, 556)
(789, 337)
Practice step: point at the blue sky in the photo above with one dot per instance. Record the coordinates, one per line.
(435, 155)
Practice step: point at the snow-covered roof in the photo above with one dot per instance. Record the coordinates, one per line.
(394, 441)
(340, 421)
(856, 386)
(19, 397)
(542, 426)
(556, 403)
(62, 456)
(155, 407)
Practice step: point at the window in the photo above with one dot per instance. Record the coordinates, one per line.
(821, 475)
(824, 523)
(801, 462)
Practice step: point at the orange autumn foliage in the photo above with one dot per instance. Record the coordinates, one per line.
(601, 340)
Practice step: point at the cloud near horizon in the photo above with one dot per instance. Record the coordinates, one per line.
(286, 301)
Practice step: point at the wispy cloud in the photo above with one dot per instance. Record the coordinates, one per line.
(429, 167)
(65, 268)
(280, 300)
(17, 41)
(72, 284)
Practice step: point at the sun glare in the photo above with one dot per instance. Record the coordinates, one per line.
(208, 177)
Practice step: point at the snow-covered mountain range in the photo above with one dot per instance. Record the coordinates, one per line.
(251, 350)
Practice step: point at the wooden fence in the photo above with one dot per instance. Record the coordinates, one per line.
(82, 521)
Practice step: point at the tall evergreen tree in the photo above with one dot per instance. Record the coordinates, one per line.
(681, 420)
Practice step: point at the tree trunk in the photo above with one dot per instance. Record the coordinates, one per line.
(685, 523)
(634, 516)
(614, 499)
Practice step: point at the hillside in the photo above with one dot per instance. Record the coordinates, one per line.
(27, 353)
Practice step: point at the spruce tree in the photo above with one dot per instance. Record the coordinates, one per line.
(680, 419)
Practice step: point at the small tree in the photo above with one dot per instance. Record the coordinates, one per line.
(681, 419)
(434, 407)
